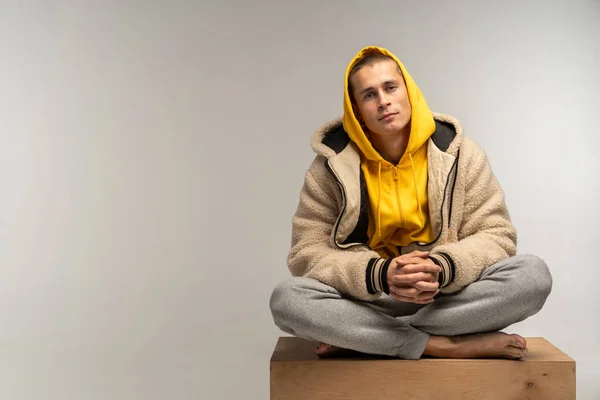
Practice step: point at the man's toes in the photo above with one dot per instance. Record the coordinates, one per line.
(323, 348)
(517, 341)
(516, 353)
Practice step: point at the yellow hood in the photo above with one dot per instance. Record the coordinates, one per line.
(399, 212)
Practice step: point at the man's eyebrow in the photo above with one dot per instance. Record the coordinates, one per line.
(365, 90)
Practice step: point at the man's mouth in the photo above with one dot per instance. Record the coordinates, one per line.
(387, 116)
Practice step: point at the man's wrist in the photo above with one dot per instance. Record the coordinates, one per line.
(446, 264)
(376, 275)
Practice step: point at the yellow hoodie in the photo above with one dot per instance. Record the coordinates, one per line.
(399, 211)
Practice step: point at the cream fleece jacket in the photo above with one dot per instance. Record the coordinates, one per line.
(469, 217)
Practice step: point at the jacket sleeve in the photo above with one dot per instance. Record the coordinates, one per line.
(358, 271)
(485, 232)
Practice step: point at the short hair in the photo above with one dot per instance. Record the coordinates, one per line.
(369, 59)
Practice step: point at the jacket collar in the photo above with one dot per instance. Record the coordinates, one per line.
(331, 139)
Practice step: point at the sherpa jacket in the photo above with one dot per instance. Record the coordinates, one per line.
(470, 221)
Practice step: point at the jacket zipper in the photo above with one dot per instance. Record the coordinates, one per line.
(455, 169)
(452, 192)
(337, 222)
(343, 191)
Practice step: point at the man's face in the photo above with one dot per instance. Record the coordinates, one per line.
(381, 98)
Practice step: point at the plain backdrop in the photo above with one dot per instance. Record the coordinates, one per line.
(152, 153)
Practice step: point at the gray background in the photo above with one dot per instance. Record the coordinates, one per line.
(151, 156)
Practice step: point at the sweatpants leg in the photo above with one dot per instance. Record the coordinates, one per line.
(506, 293)
(309, 309)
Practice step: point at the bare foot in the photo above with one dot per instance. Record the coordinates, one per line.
(483, 345)
(327, 350)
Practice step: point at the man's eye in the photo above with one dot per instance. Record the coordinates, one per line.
(392, 87)
(368, 96)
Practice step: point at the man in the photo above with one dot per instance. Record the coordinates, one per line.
(402, 244)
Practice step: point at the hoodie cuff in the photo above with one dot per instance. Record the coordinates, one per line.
(376, 275)
(447, 264)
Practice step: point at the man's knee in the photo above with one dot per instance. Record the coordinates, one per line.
(294, 296)
(288, 296)
(539, 273)
(281, 296)
(292, 302)
(535, 276)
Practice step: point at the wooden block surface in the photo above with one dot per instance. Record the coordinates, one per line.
(298, 374)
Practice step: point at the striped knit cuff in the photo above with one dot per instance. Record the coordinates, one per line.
(376, 275)
(447, 264)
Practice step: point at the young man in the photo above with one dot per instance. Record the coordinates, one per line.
(402, 243)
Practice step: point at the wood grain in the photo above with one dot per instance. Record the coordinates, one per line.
(298, 374)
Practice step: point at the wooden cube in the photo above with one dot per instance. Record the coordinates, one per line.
(298, 374)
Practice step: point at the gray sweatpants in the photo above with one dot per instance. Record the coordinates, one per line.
(506, 293)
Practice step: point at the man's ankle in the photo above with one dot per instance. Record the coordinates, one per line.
(438, 346)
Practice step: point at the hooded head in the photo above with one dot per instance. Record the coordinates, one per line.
(380, 98)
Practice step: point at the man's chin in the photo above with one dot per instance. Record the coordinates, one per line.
(389, 130)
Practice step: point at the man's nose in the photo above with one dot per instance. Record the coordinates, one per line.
(383, 100)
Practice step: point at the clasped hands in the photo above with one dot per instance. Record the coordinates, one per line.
(413, 278)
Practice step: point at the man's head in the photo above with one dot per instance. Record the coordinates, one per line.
(379, 96)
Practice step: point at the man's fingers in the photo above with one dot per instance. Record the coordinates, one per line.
(418, 290)
(411, 292)
(411, 258)
(405, 291)
(426, 286)
(408, 260)
(411, 299)
(421, 267)
(409, 279)
(403, 298)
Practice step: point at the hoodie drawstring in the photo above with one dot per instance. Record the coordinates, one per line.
(412, 164)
